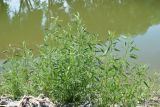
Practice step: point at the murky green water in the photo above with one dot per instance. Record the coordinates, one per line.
(26, 20)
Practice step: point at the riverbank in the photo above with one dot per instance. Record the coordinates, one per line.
(26, 101)
(31, 101)
(42, 101)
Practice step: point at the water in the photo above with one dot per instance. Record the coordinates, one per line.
(26, 20)
(148, 43)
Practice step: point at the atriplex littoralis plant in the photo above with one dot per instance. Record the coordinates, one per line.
(78, 69)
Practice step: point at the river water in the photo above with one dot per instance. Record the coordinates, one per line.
(26, 20)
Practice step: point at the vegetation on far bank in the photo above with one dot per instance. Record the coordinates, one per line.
(77, 69)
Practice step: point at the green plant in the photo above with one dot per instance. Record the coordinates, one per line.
(77, 69)
(17, 71)
(71, 68)
(123, 81)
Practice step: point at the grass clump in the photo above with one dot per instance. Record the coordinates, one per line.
(77, 70)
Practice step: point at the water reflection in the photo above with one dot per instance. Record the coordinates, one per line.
(149, 46)
(123, 16)
(26, 20)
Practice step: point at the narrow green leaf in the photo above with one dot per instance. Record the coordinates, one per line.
(146, 84)
(133, 56)
(116, 49)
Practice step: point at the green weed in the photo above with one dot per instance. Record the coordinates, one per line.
(77, 69)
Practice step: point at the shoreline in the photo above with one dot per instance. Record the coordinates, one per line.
(43, 101)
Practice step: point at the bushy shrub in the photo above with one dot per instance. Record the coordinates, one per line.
(76, 70)
(123, 81)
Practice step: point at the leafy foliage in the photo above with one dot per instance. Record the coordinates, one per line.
(78, 69)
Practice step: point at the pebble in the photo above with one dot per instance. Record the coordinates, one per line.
(27, 101)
